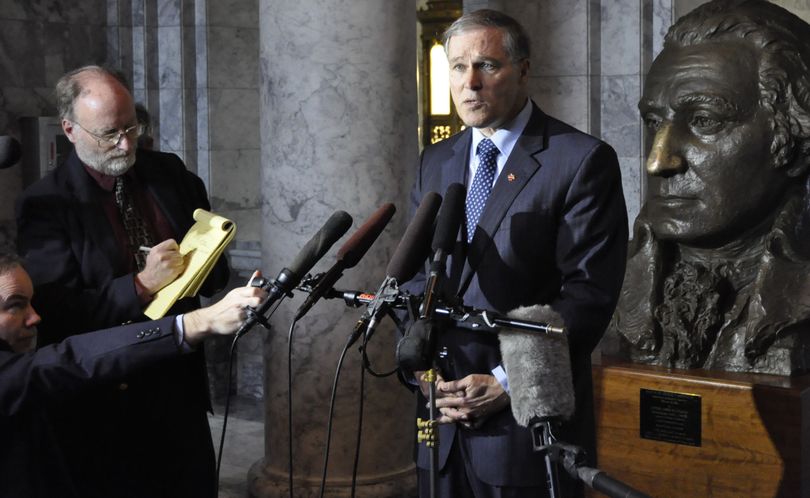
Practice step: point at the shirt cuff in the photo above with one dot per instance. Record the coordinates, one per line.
(503, 380)
(180, 335)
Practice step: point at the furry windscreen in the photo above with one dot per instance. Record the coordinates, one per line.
(538, 367)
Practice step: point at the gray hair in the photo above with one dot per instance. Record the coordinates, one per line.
(783, 41)
(71, 86)
(516, 41)
(9, 261)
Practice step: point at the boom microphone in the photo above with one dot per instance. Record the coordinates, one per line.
(538, 369)
(334, 228)
(409, 256)
(349, 254)
(10, 151)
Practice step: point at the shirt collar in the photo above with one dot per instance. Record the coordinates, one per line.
(507, 136)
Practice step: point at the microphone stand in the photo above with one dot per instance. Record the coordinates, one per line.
(543, 431)
(573, 460)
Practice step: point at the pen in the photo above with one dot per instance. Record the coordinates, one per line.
(144, 249)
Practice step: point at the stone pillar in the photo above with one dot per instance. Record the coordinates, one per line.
(338, 131)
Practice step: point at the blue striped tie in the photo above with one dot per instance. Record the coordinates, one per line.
(481, 185)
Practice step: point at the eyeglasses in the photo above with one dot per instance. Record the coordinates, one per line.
(114, 137)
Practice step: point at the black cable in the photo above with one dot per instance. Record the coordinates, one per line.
(228, 394)
(331, 414)
(227, 406)
(289, 407)
(359, 423)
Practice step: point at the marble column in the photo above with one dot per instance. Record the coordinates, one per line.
(338, 131)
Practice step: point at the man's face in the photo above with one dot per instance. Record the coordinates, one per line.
(106, 107)
(712, 179)
(18, 320)
(488, 89)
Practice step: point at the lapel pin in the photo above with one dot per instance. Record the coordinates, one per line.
(510, 177)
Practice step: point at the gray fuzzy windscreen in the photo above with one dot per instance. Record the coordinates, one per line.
(538, 367)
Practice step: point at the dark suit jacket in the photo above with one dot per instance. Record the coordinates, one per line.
(554, 231)
(32, 464)
(82, 283)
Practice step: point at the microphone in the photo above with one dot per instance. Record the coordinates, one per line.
(444, 240)
(538, 369)
(10, 151)
(334, 228)
(415, 350)
(349, 254)
(409, 256)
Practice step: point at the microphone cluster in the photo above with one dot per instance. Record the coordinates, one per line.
(430, 237)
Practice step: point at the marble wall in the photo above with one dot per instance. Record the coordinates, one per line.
(39, 40)
(338, 131)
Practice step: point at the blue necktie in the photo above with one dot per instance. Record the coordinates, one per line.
(481, 185)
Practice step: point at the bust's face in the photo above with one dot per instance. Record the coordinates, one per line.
(712, 179)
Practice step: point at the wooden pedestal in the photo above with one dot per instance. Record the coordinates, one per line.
(754, 433)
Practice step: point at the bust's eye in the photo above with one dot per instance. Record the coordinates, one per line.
(705, 124)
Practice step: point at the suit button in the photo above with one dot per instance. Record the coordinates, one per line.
(123, 386)
(140, 335)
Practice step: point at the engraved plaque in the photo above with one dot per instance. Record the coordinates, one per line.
(670, 417)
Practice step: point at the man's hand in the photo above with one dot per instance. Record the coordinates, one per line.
(223, 317)
(471, 400)
(163, 264)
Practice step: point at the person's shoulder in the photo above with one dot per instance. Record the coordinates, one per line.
(155, 158)
(55, 182)
(447, 146)
(568, 139)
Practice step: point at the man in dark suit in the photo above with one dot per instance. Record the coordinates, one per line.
(99, 236)
(546, 224)
(31, 381)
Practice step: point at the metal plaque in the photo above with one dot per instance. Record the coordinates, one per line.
(670, 417)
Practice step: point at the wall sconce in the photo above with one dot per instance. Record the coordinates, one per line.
(438, 115)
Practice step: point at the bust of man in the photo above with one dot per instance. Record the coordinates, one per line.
(718, 276)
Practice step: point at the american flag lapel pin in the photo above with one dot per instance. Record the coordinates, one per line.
(510, 177)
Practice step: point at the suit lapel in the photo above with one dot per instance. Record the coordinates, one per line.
(518, 170)
(91, 211)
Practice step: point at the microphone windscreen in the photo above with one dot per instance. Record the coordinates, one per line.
(351, 252)
(449, 219)
(334, 228)
(10, 151)
(413, 248)
(538, 368)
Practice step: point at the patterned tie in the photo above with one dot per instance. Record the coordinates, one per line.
(481, 185)
(134, 224)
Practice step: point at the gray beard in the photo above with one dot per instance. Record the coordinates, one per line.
(114, 166)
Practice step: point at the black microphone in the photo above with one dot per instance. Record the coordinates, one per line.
(10, 151)
(415, 350)
(444, 240)
(409, 256)
(538, 369)
(349, 254)
(334, 228)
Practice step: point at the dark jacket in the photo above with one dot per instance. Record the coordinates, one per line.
(81, 283)
(32, 385)
(554, 231)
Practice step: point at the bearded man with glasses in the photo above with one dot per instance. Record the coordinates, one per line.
(99, 238)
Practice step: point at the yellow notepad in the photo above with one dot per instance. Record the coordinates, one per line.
(201, 247)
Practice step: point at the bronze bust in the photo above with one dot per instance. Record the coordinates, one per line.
(718, 273)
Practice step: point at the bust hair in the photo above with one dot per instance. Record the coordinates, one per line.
(783, 43)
